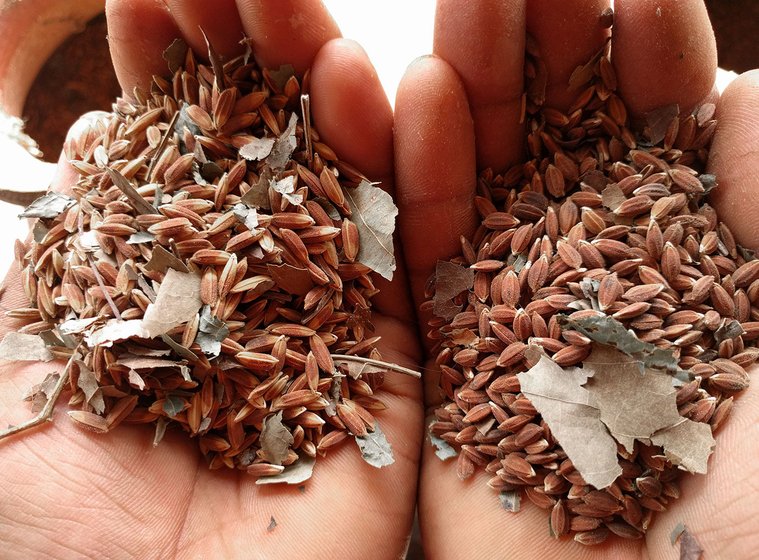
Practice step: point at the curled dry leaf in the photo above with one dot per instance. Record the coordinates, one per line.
(276, 439)
(373, 212)
(450, 280)
(375, 449)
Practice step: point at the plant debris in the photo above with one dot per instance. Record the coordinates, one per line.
(597, 327)
(210, 270)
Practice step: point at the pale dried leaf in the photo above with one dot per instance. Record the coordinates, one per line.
(687, 444)
(211, 332)
(510, 500)
(690, 549)
(375, 449)
(173, 405)
(373, 212)
(258, 194)
(573, 418)
(632, 405)
(177, 302)
(161, 260)
(136, 380)
(297, 473)
(612, 197)
(286, 187)
(184, 121)
(87, 242)
(49, 206)
(275, 439)
(246, 215)
(140, 237)
(39, 394)
(24, 347)
(284, 146)
(450, 280)
(88, 383)
(76, 326)
(116, 330)
(443, 449)
(257, 149)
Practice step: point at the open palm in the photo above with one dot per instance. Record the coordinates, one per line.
(67, 493)
(459, 112)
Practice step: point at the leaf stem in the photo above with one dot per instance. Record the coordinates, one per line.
(377, 363)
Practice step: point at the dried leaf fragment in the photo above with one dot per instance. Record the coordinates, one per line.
(275, 439)
(632, 405)
(284, 146)
(51, 205)
(450, 280)
(24, 347)
(689, 547)
(177, 301)
(257, 149)
(510, 500)
(573, 417)
(211, 332)
(246, 215)
(375, 449)
(687, 444)
(374, 213)
(116, 330)
(161, 260)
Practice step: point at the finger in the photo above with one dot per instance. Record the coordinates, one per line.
(353, 116)
(567, 34)
(484, 42)
(287, 31)
(219, 20)
(435, 167)
(734, 158)
(663, 52)
(138, 33)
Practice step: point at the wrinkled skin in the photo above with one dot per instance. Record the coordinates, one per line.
(67, 493)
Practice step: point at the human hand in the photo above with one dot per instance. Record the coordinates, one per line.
(457, 113)
(68, 493)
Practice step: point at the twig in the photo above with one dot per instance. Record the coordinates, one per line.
(377, 363)
(162, 145)
(46, 413)
(305, 106)
(103, 288)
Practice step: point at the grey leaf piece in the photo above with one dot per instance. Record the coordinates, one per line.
(375, 449)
